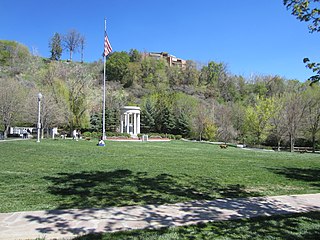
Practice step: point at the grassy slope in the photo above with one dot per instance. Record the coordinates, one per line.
(69, 174)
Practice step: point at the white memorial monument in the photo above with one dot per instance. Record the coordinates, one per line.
(130, 120)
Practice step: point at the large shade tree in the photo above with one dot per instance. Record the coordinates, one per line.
(312, 118)
(307, 11)
(258, 119)
(71, 41)
(12, 94)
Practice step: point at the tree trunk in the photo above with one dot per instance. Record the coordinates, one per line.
(42, 133)
(291, 144)
(6, 130)
(279, 142)
(313, 143)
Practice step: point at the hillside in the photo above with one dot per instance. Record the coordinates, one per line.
(194, 101)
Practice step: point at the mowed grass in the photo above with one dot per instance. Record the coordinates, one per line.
(301, 226)
(68, 174)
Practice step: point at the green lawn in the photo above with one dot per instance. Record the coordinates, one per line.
(304, 226)
(69, 174)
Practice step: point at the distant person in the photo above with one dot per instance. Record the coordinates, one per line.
(24, 134)
(74, 135)
(101, 143)
(28, 133)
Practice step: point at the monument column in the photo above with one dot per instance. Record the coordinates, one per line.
(135, 124)
(121, 123)
(128, 123)
(138, 123)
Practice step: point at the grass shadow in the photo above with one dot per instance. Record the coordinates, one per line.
(96, 189)
(293, 226)
(309, 175)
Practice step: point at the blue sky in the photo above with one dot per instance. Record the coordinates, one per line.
(251, 36)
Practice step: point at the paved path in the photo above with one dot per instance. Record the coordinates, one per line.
(66, 224)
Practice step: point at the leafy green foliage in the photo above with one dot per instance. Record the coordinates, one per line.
(182, 100)
(135, 55)
(12, 51)
(258, 119)
(210, 131)
(14, 57)
(307, 11)
(315, 67)
(116, 66)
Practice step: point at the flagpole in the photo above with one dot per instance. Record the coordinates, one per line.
(104, 88)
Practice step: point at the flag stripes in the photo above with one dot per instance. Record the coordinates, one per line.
(107, 46)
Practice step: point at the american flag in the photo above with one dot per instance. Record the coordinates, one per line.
(107, 46)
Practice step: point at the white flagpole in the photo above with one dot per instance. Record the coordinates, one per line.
(104, 87)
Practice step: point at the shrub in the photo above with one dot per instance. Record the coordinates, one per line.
(94, 134)
(116, 134)
(86, 134)
(171, 136)
(178, 137)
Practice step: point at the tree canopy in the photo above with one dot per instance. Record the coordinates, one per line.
(195, 101)
(307, 11)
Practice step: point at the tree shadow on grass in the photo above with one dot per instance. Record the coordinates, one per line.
(94, 191)
(309, 175)
(294, 226)
(124, 188)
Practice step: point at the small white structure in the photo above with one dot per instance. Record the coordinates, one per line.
(130, 120)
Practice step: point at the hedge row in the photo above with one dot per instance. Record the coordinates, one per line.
(108, 134)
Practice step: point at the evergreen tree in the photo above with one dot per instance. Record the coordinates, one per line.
(55, 47)
(112, 120)
(96, 122)
(147, 119)
(182, 125)
(167, 121)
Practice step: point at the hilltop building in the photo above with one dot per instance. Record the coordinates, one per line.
(171, 60)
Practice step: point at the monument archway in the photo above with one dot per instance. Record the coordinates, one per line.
(130, 120)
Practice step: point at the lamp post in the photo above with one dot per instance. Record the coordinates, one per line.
(39, 122)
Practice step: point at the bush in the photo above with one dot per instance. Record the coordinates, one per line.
(178, 137)
(171, 136)
(86, 134)
(116, 134)
(94, 134)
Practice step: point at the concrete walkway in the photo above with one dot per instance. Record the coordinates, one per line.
(66, 224)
